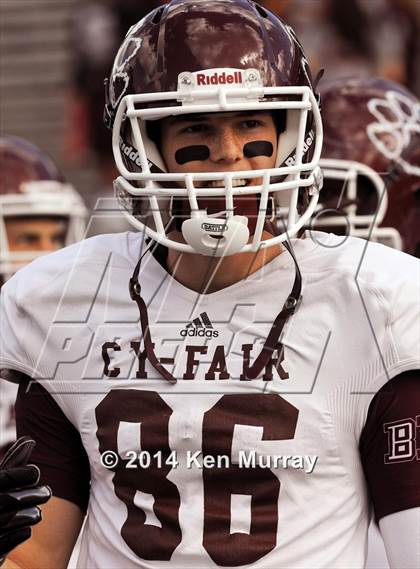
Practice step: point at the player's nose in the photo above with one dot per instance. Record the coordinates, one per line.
(226, 147)
(47, 243)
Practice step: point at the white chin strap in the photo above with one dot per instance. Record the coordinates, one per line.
(214, 236)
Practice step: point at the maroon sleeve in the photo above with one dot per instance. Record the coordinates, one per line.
(390, 445)
(59, 451)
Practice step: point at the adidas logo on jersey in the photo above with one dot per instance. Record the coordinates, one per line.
(200, 326)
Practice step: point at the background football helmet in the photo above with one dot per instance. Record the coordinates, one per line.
(202, 57)
(371, 162)
(32, 187)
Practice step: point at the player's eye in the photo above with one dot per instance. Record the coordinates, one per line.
(58, 239)
(27, 239)
(199, 128)
(251, 124)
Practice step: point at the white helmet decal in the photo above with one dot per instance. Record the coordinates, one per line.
(406, 122)
(119, 69)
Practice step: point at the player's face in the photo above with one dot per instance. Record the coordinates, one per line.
(219, 142)
(40, 234)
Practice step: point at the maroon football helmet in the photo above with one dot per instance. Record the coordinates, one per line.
(202, 57)
(31, 186)
(371, 162)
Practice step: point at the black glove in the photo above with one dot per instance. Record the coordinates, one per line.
(19, 496)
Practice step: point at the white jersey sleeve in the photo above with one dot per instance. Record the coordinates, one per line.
(405, 312)
(43, 326)
(394, 278)
(16, 331)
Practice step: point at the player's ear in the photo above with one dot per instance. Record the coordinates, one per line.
(154, 132)
(279, 118)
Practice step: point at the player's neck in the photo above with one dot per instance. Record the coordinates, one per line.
(209, 274)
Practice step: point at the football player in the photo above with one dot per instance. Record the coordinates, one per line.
(218, 388)
(39, 213)
(371, 162)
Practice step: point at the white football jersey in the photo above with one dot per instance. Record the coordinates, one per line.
(217, 470)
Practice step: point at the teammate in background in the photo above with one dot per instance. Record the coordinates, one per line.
(218, 330)
(371, 162)
(39, 213)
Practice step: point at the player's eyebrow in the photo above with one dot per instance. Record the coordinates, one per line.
(201, 117)
(29, 234)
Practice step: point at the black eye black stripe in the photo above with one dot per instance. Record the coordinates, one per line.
(192, 153)
(258, 148)
(202, 152)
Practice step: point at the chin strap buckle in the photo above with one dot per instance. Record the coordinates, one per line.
(292, 304)
(134, 288)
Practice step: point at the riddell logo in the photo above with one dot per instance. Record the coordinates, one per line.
(223, 78)
(291, 160)
(201, 327)
(130, 152)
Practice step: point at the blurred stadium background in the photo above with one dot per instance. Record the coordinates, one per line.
(36, 63)
(54, 55)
